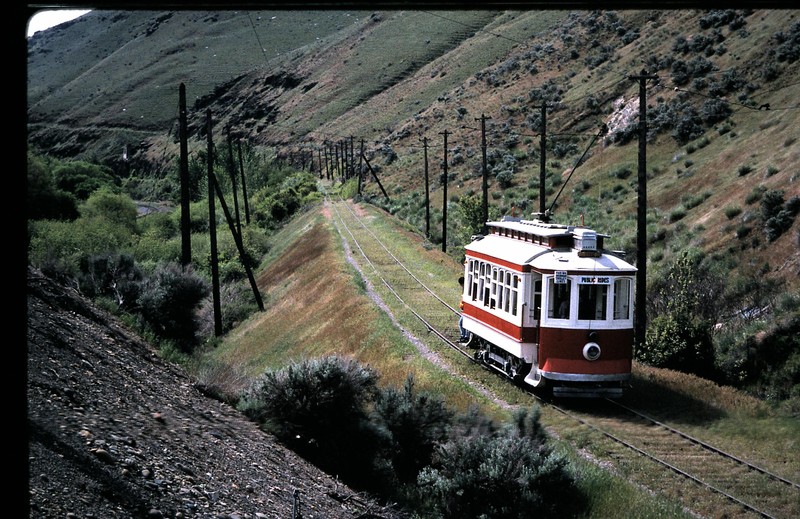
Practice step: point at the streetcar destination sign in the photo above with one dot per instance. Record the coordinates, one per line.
(594, 280)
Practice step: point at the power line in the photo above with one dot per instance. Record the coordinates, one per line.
(258, 38)
(478, 30)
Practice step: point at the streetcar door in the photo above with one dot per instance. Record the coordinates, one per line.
(533, 306)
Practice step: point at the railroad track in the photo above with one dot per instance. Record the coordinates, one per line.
(709, 481)
(737, 487)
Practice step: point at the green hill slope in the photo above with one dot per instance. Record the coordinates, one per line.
(296, 83)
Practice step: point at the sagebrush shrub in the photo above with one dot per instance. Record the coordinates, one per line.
(414, 424)
(168, 300)
(505, 474)
(318, 407)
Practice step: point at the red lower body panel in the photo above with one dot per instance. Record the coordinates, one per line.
(561, 351)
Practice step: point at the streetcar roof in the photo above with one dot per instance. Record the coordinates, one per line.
(540, 257)
(507, 249)
(556, 259)
(533, 226)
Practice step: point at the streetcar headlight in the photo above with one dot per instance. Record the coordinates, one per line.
(591, 351)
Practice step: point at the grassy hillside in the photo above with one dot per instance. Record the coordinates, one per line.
(297, 81)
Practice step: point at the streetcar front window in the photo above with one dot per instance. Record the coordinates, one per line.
(558, 299)
(592, 302)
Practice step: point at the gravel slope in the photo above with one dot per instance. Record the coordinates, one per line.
(115, 432)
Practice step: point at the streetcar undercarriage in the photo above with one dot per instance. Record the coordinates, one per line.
(522, 372)
(499, 359)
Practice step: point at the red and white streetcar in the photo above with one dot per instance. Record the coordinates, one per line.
(546, 305)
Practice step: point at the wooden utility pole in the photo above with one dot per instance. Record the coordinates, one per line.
(337, 170)
(325, 147)
(212, 230)
(485, 174)
(640, 314)
(543, 165)
(360, 160)
(343, 150)
(345, 160)
(444, 196)
(352, 157)
(186, 233)
(427, 191)
(343, 146)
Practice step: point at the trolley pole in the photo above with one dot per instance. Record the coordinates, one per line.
(640, 324)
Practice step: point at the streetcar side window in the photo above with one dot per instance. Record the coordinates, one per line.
(495, 287)
(468, 279)
(592, 302)
(493, 299)
(622, 298)
(558, 304)
(473, 289)
(481, 280)
(502, 292)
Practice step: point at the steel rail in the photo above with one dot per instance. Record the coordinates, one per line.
(664, 463)
(706, 445)
(456, 312)
(431, 328)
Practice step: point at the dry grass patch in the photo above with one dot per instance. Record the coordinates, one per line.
(317, 307)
